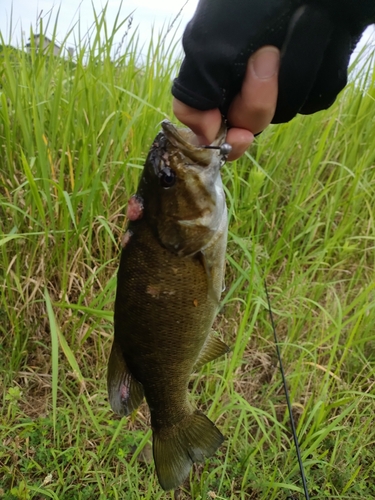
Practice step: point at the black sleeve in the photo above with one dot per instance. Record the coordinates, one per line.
(316, 39)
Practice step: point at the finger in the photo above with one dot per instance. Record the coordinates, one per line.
(204, 124)
(240, 139)
(253, 108)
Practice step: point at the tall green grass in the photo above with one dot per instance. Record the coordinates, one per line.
(74, 134)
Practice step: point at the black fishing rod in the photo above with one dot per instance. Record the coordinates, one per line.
(225, 150)
(286, 391)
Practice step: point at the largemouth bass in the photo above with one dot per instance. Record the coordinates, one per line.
(169, 285)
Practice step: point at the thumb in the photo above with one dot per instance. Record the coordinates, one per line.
(204, 124)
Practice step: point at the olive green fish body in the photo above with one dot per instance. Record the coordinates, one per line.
(169, 284)
(163, 316)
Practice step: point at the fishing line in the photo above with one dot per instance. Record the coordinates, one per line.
(295, 438)
(224, 149)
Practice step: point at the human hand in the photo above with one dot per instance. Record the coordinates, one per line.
(316, 40)
(250, 112)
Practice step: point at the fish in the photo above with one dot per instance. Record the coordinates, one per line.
(169, 284)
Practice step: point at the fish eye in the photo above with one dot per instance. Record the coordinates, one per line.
(167, 177)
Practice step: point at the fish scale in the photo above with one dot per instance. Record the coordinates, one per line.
(142, 314)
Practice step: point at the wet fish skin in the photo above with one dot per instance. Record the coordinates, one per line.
(169, 285)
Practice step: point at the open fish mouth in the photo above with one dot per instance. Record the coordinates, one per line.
(185, 140)
(179, 137)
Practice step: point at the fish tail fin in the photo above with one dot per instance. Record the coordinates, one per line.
(176, 449)
(124, 391)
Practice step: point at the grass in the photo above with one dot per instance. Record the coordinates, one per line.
(73, 138)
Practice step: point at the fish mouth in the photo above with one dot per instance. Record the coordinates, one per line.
(185, 140)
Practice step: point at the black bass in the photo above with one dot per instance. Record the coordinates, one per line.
(169, 285)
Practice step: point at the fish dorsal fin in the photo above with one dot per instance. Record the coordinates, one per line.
(213, 348)
(124, 391)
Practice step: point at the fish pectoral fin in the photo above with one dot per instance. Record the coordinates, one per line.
(213, 348)
(176, 448)
(124, 391)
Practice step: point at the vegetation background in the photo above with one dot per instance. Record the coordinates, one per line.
(73, 138)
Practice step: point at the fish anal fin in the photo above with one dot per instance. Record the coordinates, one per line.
(213, 348)
(124, 391)
(176, 449)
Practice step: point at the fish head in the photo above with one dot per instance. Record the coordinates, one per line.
(181, 188)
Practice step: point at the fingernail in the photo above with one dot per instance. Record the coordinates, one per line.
(265, 62)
